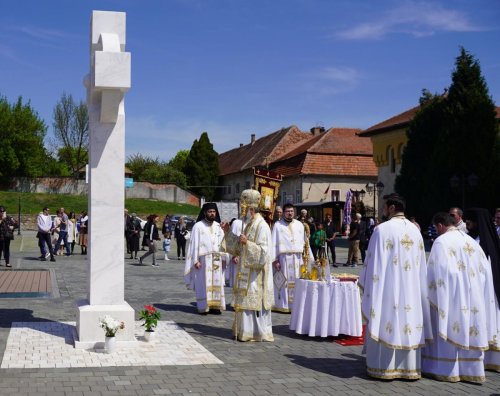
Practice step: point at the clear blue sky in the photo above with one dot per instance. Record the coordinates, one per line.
(237, 67)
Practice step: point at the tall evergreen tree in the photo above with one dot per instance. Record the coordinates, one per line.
(202, 168)
(453, 138)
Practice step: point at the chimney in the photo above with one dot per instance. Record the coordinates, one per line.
(241, 144)
(315, 131)
(252, 139)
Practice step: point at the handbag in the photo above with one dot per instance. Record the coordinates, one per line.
(187, 235)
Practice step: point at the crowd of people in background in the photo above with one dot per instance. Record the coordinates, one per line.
(60, 233)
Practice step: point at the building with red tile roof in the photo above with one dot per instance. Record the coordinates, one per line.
(316, 166)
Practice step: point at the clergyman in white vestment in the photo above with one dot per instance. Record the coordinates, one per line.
(203, 270)
(457, 279)
(289, 242)
(253, 289)
(395, 306)
(481, 228)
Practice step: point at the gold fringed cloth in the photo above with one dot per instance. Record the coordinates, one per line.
(267, 183)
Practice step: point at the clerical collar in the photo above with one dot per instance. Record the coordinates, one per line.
(399, 215)
(288, 221)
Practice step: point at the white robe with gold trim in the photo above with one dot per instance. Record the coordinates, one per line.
(395, 306)
(288, 241)
(207, 281)
(458, 284)
(253, 288)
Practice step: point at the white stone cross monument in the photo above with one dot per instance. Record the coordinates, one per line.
(106, 85)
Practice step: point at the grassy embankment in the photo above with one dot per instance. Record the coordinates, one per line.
(32, 203)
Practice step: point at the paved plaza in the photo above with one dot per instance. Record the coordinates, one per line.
(193, 355)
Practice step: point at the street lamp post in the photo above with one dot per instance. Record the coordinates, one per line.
(358, 195)
(374, 189)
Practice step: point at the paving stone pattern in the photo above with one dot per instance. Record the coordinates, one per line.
(291, 365)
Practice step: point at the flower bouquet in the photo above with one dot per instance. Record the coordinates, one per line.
(150, 316)
(111, 325)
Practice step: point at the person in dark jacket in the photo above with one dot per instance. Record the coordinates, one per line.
(7, 226)
(151, 235)
(180, 233)
(134, 235)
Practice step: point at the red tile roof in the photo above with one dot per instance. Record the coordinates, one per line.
(399, 121)
(336, 152)
(263, 151)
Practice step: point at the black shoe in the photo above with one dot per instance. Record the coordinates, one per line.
(140, 260)
(178, 258)
(335, 265)
(43, 259)
(131, 258)
(52, 259)
(215, 311)
(346, 265)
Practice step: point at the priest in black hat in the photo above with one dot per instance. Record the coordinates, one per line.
(203, 272)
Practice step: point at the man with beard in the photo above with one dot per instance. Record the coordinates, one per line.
(253, 289)
(203, 271)
(289, 243)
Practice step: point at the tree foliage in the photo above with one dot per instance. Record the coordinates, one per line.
(202, 168)
(22, 131)
(179, 161)
(71, 131)
(154, 171)
(452, 136)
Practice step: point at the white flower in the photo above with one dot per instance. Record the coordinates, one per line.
(110, 325)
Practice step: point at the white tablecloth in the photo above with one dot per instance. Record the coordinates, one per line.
(326, 309)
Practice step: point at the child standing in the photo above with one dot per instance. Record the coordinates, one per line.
(166, 244)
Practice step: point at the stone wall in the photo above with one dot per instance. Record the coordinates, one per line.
(66, 185)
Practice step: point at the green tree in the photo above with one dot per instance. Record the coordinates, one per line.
(202, 168)
(179, 161)
(452, 136)
(154, 171)
(71, 131)
(22, 131)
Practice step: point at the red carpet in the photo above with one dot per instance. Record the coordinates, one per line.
(346, 340)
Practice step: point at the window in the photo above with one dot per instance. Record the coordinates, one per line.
(298, 196)
(335, 195)
(283, 198)
(237, 188)
(247, 185)
(229, 189)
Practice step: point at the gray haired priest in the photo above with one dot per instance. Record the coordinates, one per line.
(253, 290)
(203, 271)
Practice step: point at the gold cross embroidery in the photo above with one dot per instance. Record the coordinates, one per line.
(452, 252)
(419, 327)
(395, 259)
(473, 331)
(407, 266)
(407, 329)
(406, 242)
(440, 282)
(388, 327)
(468, 249)
(460, 265)
(407, 307)
(389, 244)
(432, 285)
(421, 245)
(465, 309)
(375, 278)
(474, 310)
(456, 327)
(442, 314)
(372, 313)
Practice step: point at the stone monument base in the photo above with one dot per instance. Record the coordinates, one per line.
(91, 335)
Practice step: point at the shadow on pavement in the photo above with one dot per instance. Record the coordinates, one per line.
(348, 367)
(205, 330)
(191, 308)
